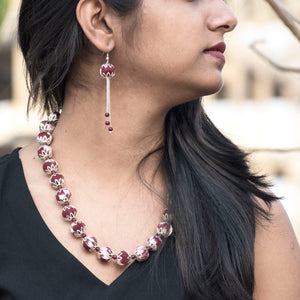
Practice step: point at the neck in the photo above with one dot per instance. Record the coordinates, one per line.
(84, 138)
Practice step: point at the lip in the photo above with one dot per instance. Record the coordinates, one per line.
(217, 51)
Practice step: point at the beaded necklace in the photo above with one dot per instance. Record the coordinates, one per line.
(69, 212)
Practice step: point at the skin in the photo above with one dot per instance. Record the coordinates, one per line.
(163, 67)
(277, 259)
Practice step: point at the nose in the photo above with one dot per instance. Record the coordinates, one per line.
(222, 18)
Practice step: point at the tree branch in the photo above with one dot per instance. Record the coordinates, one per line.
(270, 61)
(290, 20)
(290, 150)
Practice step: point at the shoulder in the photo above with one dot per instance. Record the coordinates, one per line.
(277, 258)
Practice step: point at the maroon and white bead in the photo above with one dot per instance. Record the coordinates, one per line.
(141, 253)
(50, 166)
(89, 243)
(44, 138)
(54, 116)
(77, 228)
(166, 216)
(69, 212)
(105, 254)
(63, 196)
(46, 126)
(107, 70)
(45, 152)
(123, 258)
(154, 242)
(57, 181)
(164, 229)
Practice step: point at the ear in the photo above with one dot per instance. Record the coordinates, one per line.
(96, 21)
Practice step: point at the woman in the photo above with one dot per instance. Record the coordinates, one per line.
(224, 235)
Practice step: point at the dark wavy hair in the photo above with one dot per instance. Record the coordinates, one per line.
(212, 191)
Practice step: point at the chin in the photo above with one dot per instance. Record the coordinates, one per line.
(208, 82)
(215, 89)
(211, 88)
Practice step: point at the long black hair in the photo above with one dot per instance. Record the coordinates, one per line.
(212, 191)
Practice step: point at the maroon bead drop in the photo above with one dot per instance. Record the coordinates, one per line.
(46, 126)
(164, 229)
(89, 243)
(107, 115)
(50, 166)
(57, 181)
(45, 152)
(110, 129)
(133, 257)
(123, 258)
(83, 235)
(74, 220)
(77, 229)
(44, 138)
(114, 256)
(97, 249)
(69, 212)
(53, 117)
(107, 123)
(62, 196)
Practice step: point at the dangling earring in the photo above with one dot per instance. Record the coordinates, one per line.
(107, 71)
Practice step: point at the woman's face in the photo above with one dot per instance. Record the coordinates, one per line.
(171, 42)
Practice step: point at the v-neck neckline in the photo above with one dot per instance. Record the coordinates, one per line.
(52, 238)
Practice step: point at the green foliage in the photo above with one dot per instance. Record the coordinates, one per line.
(3, 9)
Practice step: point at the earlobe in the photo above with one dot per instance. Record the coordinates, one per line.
(95, 20)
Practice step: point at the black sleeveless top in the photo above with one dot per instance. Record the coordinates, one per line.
(34, 265)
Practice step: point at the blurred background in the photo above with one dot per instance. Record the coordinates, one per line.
(258, 107)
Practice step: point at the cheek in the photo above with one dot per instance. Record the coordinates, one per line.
(164, 39)
(168, 52)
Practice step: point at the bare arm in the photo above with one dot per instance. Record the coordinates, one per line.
(277, 259)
